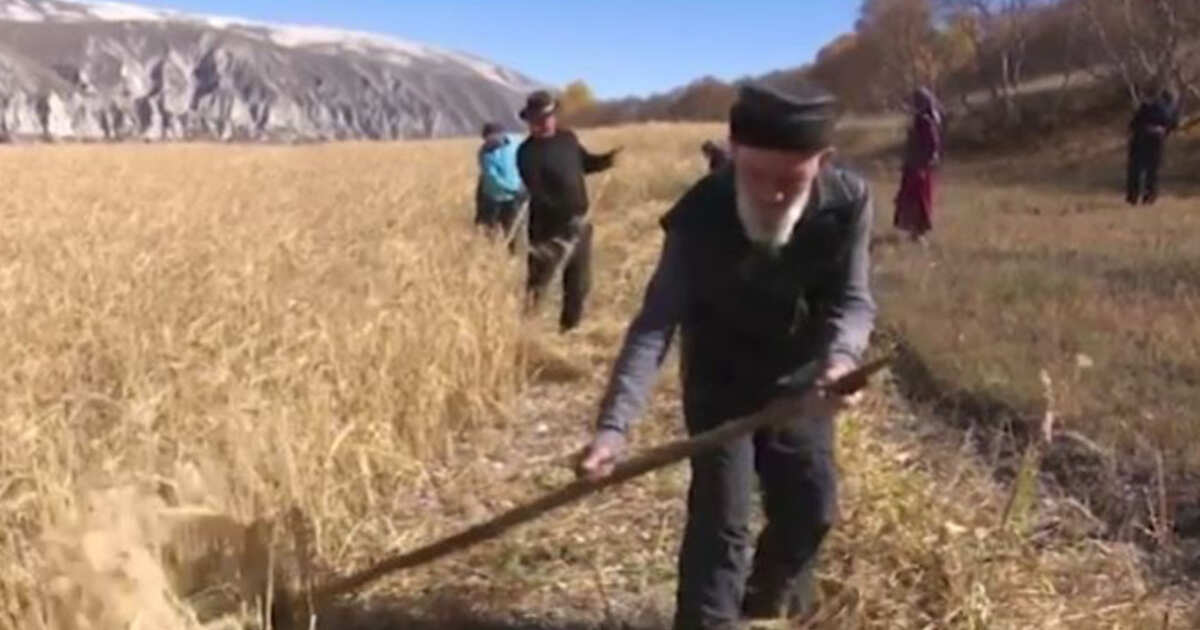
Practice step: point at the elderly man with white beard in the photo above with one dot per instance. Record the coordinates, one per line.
(764, 269)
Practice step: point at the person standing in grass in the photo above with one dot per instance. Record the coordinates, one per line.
(922, 154)
(716, 155)
(765, 273)
(500, 194)
(552, 163)
(1148, 131)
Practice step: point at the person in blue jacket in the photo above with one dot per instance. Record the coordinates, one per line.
(500, 193)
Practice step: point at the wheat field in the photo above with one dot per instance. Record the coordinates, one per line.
(244, 329)
(201, 338)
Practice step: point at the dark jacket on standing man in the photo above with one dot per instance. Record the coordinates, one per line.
(751, 319)
(747, 320)
(1153, 122)
(1155, 119)
(553, 170)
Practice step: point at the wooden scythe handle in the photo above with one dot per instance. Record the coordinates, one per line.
(653, 459)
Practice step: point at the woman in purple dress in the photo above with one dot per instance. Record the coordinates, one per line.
(914, 201)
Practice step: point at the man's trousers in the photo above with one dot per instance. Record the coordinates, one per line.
(574, 257)
(794, 465)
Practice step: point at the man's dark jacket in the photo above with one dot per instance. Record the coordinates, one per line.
(1154, 114)
(553, 170)
(748, 319)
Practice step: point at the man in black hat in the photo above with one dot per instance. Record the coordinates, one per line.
(552, 164)
(1148, 131)
(764, 271)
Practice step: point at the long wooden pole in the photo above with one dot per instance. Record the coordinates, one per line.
(656, 458)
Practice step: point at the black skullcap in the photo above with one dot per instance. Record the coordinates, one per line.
(770, 118)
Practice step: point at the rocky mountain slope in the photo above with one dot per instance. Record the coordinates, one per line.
(110, 71)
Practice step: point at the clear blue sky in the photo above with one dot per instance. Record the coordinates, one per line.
(620, 47)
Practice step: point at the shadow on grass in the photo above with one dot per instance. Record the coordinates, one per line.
(1002, 430)
(1114, 486)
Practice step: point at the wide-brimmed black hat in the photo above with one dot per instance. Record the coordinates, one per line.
(538, 104)
(794, 119)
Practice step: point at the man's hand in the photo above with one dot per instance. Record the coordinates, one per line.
(600, 456)
(820, 402)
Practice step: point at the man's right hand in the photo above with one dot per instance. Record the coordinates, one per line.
(599, 458)
(820, 403)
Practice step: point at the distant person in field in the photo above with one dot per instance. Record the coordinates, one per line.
(553, 164)
(717, 155)
(500, 192)
(922, 153)
(764, 270)
(1148, 131)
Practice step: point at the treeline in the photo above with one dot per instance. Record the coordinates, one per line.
(981, 56)
(704, 99)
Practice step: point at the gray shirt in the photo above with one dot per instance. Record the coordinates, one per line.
(649, 336)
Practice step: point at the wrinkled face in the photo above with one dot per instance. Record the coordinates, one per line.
(772, 189)
(543, 126)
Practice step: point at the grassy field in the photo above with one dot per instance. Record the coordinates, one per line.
(237, 331)
(1038, 264)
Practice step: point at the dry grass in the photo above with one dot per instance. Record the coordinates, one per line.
(299, 327)
(251, 329)
(1040, 264)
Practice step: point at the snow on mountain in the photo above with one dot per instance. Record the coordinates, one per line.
(117, 70)
(119, 11)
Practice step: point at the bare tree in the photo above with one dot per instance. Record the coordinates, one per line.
(1187, 68)
(1069, 62)
(902, 43)
(1148, 42)
(1000, 32)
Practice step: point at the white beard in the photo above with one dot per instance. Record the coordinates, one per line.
(771, 236)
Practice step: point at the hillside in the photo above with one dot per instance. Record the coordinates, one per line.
(111, 71)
